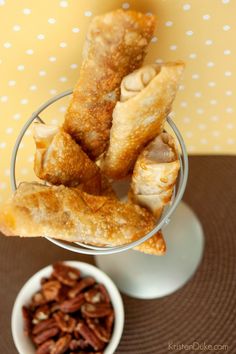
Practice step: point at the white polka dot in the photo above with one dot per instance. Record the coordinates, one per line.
(216, 133)
(228, 73)
(62, 109)
(24, 171)
(200, 111)
(230, 126)
(169, 23)
(11, 83)
(52, 59)
(42, 73)
(211, 84)
(226, 27)
(63, 44)
(195, 76)
(41, 36)
(189, 134)
(159, 61)
(63, 3)
(16, 28)
(24, 101)
(198, 94)
(7, 172)
(16, 116)
(9, 130)
(213, 101)
(73, 66)
(206, 17)
(3, 185)
(7, 45)
(173, 47)
(229, 110)
(154, 39)
(2, 2)
(186, 120)
(230, 141)
(33, 88)
(21, 67)
(53, 91)
(215, 118)
(193, 56)
(3, 145)
(184, 104)
(203, 141)
(63, 79)
(202, 126)
(228, 93)
(186, 7)
(26, 11)
(31, 158)
(225, 1)
(210, 64)
(217, 147)
(29, 51)
(189, 33)
(4, 99)
(191, 148)
(209, 42)
(181, 87)
(51, 21)
(75, 30)
(125, 5)
(87, 13)
(227, 52)
(54, 121)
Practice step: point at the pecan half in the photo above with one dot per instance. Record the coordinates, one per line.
(42, 313)
(51, 290)
(65, 322)
(94, 296)
(89, 336)
(46, 347)
(46, 324)
(102, 333)
(73, 305)
(61, 345)
(81, 285)
(45, 335)
(65, 274)
(109, 320)
(38, 299)
(104, 292)
(27, 320)
(96, 310)
(78, 344)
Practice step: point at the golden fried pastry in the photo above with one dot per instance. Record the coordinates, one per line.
(155, 174)
(72, 215)
(60, 160)
(146, 98)
(115, 46)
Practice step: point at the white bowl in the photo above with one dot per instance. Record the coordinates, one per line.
(24, 344)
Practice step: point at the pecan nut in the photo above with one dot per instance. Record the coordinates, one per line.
(65, 274)
(89, 336)
(82, 284)
(43, 325)
(94, 296)
(102, 333)
(46, 347)
(45, 335)
(27, 320)
(96, 310)
(38, 299)
(51, 290)
(73, 305)
(109, 320)
(104, 292)
(42, 313)
(65, 322)
(78, 344)
(61, 345)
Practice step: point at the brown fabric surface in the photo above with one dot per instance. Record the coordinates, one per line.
(204, 310)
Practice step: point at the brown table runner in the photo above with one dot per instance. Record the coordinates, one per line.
(203, 311)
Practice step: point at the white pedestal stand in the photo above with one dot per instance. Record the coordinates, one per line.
(147, 277)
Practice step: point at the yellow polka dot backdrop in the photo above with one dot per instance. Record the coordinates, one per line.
(40, 55)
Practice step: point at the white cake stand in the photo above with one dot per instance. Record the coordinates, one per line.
(136, 274)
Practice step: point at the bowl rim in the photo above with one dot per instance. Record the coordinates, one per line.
(86, 269)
